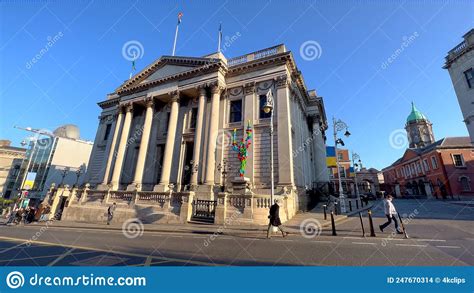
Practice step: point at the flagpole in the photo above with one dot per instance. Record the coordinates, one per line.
(220, 38)
(175, 38)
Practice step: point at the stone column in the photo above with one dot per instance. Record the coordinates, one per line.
(319, 156)
(169, 147)
(118, 124)
(285, 147)
(137, 181)
(198, 134)
(122, 147)
(213, 129)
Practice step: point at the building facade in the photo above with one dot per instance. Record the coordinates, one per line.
(460, 64)
(440, 169)
(169, 128)
(11, 159)
(57, 159)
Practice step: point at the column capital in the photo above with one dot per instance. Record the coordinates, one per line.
(281, 81)
(202, 89)
(217, 88)
(127, 107)
(149, 102)
(174, 95)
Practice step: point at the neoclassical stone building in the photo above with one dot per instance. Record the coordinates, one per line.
(168, 129)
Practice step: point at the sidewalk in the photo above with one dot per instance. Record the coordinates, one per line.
(293, 226)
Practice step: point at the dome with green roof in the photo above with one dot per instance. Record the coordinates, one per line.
(415, 115)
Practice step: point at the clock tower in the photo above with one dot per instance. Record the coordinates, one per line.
(419, 129)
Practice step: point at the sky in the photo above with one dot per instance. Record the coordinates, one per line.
(367, 59)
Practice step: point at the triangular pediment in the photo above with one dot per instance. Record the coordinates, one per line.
(167, 67)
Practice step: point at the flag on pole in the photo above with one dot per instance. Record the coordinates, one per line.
(180, 15)
(220, 38)
(133, 65)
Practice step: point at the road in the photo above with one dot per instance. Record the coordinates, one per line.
(440, 234)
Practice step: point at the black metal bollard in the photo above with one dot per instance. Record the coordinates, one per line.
(325, 212)
(336, 208)
(333, 225)
(350, 205)
(372, 231)
(403, 226)
(357, 204)
(362, 224)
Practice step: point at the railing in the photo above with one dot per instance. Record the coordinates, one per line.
(238, 202)
(96, 195)
(150, 196)
(456, 51)
(256, 55)
(121, 195)
(262, 203)
(204, 210)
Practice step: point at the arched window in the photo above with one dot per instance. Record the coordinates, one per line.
(465, 183)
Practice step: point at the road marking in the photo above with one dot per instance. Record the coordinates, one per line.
(431, 240)
(322, 241)
(176, 236)
(364, 243)
(447, 246)
(351, 237)
(283, 240)
(105, 250)
(60, 257)
(397, 239)
(413, 245)
(227, 238)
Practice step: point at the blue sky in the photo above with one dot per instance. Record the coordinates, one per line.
(355, 38)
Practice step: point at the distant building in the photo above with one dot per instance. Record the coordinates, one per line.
(59, 158)
(10, 162)
(460, 64)
(440, 169)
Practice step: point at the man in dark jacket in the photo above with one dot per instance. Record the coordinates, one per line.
(110, 213)
(275, 219)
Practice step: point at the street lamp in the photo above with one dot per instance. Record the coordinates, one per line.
(224, 170)
(268, 108)
(339, 125)
(355, 157)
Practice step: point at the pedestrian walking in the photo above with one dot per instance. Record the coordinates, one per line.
(275, 219)
(390, 213)
(110, 213)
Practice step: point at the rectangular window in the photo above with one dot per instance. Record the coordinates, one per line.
(418, 167)
(469, 74)
(434, 163)
(340, 157)
(262, 101)
(166, 122)
(108, 127)
(425, 165)
(342, 172)
(192, 122)
(458, 160)
(235, 111)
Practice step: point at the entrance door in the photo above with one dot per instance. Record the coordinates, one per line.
(188, 167)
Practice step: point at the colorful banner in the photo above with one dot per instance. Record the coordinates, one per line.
(331, 156)
(351, 172)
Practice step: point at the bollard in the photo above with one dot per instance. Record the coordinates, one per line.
(336, 208)
(361, 203)
(371, 223)
(357, 204)
(350, 205)
(333, 225)
(362, 224)
(325, 214)
(403, 226)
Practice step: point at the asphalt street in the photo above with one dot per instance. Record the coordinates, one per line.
(440, 234)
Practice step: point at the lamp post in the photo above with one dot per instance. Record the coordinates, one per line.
(339, 125)
(355, 157)
(78, 175)
(63, 175)
(268, 108)
(224, 170)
